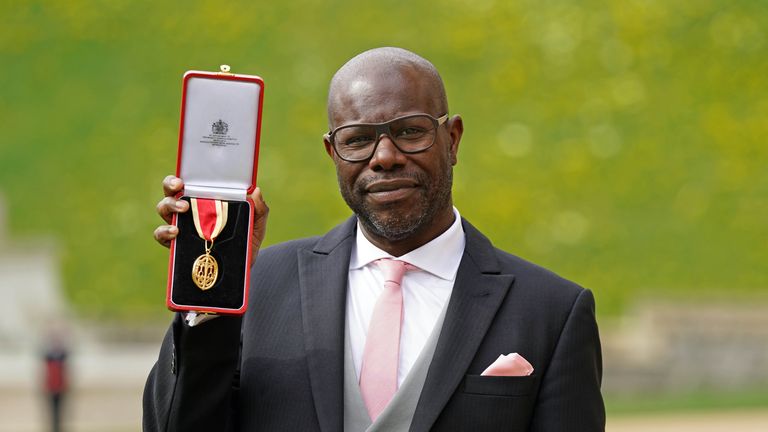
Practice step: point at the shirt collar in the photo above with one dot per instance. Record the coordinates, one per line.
(441, 256)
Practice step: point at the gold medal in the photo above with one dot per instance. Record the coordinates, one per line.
(205, 270)
(210, 217)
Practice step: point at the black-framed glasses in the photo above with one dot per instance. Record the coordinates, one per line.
(411, 134)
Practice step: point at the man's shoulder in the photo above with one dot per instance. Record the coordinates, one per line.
(521, 267)
(320, 243)
(507, 263)
(281, 250)
(529, 277)
(532, 281)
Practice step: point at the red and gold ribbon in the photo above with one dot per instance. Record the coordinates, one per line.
(210, 217)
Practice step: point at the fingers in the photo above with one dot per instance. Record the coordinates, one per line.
(170, 205)
(172, 185)
(167, 207)
(165, 233)
(260, 208)
(260, 213)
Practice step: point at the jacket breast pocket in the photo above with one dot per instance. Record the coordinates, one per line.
(490, 404)
(499, 385)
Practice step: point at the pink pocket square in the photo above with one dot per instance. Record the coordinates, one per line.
(512, 364)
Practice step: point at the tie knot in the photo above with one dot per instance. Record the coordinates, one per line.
(394, 269)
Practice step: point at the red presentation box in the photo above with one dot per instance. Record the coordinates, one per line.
(217, 160)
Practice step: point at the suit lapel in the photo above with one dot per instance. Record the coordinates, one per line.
(323, 276)
(477, 294)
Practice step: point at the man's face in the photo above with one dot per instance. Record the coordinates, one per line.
(395, 195)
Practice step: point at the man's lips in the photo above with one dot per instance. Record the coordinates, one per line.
(389, 185)
(390, 191)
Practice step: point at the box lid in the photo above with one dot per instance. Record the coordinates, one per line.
(219, 134)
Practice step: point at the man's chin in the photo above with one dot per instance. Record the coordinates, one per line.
(393, 227)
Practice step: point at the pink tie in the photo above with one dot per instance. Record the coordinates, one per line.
(378, 375)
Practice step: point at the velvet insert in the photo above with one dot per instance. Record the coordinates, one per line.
(230, 250)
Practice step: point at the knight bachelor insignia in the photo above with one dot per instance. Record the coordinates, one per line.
(210, 218)
(205, 271)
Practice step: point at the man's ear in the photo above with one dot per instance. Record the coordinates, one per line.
(455, 128)
(328, 146)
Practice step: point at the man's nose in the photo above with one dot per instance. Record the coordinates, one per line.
(386, 156)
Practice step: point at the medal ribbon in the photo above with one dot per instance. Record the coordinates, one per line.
(210, 217)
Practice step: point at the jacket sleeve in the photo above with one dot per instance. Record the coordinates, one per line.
(193, 384)
(569, 397)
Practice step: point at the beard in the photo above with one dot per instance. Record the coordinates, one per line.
(398, 221)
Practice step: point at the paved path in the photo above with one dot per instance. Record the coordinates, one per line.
(723, 421)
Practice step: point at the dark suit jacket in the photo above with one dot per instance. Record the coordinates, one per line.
(288, 374)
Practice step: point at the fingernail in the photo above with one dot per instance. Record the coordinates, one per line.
(175, 182)
(180, 205)
(173, 230)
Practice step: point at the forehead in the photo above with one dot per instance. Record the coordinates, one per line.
(378, 95)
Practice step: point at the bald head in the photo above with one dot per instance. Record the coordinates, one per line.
(379, 67)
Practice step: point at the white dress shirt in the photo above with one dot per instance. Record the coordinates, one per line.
(425, 292)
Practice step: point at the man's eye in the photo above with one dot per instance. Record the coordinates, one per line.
(357, 141)
(411, 133)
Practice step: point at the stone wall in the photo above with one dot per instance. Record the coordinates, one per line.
(671, 347)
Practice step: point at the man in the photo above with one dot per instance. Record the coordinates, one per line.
(314, 352)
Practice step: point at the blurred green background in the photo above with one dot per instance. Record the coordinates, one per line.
(621, 144)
